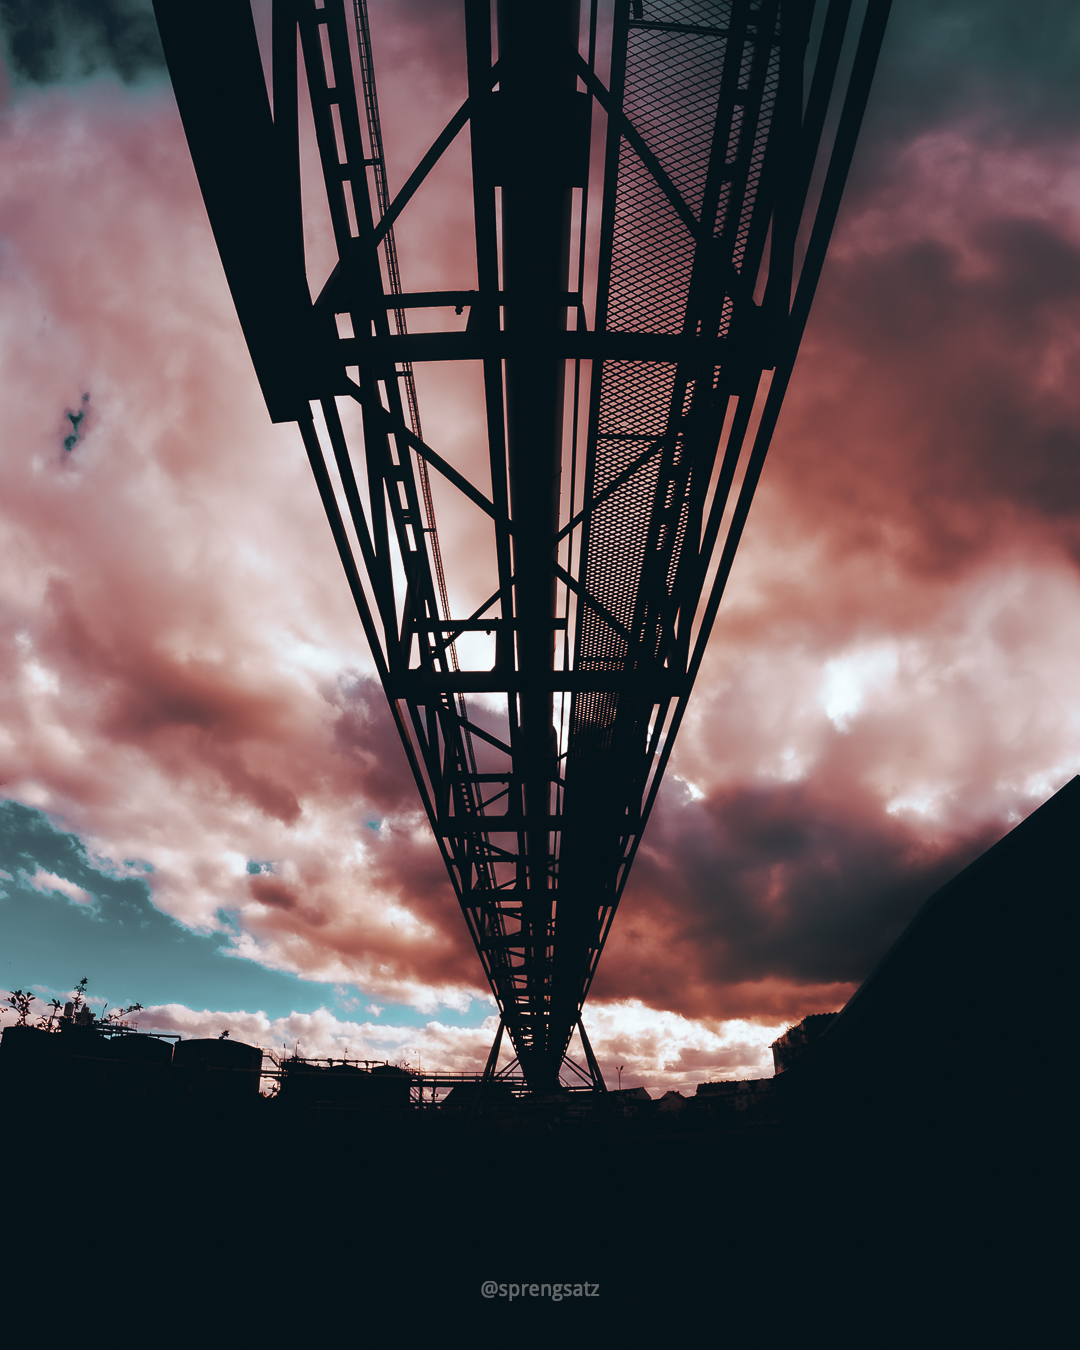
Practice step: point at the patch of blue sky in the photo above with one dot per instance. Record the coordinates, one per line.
(401, 1015)
(129, 951)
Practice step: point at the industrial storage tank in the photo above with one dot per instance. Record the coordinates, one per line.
(342, 1086)
(139, 1048)
(29, 1056)
(80, 1060)
(306, 1084)
(127, 1065)
(391, 1086)
(222, 1070)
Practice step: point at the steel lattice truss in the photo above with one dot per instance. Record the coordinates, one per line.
(622, 454)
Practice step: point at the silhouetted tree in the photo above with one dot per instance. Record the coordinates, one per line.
(21, 1001)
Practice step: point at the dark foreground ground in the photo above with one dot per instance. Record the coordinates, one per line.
(260, 1227)
(912, 1186)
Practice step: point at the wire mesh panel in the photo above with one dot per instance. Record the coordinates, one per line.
(698, 82)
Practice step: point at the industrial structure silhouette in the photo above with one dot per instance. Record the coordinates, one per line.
(630, 399)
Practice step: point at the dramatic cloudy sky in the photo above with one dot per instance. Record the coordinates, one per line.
(206, 809)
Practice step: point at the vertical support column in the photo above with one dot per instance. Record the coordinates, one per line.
(536, 98)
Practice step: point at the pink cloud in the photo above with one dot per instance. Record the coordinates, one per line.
(48, 881)
(891, 682)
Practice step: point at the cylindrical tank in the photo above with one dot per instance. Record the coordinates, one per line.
(306, 1084)
(224, 1070)
(81, 1060)
(391, 1086)
(137, 1049)
(126, 1065)
(26, 1043)
(29, 1054)
(335, 1086)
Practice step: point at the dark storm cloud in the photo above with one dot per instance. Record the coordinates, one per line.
(783, 889)
(949, 370)
(365, 735)
(51, 41)
(942, 60)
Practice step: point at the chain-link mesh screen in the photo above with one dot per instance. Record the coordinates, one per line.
(700, 87)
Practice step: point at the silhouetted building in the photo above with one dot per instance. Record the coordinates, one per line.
(794, 1042)
(671, 1103)
(908, 1055)
(630, 1101)
(737, 1101)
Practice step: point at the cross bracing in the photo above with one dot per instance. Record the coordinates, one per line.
(630, 395)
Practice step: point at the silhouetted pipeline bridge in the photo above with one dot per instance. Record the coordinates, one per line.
(630, 387)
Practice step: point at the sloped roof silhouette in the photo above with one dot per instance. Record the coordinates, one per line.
(976, 987)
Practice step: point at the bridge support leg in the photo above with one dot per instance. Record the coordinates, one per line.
(493, 1058)
(590, 1059)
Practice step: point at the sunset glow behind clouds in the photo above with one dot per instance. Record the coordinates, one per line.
(892, 681)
